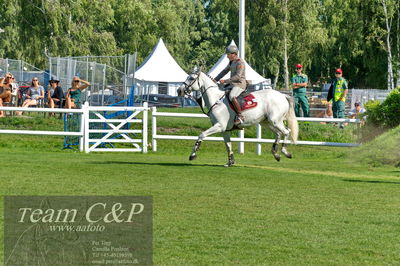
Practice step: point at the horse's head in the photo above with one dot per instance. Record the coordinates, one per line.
(191, 83)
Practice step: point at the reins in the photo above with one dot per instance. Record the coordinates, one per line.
(202, 95)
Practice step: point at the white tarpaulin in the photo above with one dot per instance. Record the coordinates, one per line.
(160, 66)
(251, 75)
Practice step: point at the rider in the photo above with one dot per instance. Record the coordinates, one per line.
(237, 68)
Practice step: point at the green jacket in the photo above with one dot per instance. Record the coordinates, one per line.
(302, 78)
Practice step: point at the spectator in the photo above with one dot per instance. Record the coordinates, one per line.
(7, 88)
(300, 81)
(327, 113)
(73, 99)
(337, 92)
(55, 94)
(15, 89)
(35, 93)
(357, 110)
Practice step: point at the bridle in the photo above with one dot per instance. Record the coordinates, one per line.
(187, 92)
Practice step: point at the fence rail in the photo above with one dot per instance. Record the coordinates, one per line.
(116, 126)
(79, 134)
(86, 143)
(121, 128)
(241, 139)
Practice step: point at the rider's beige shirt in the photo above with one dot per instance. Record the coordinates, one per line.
(237, 69)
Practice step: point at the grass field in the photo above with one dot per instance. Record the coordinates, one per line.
(323, 207)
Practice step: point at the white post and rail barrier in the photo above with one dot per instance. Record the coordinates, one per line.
(115, 127)
(118, 126)
(241, 139)
(79, 134)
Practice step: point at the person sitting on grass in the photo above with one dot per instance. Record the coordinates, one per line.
(35, 93)
(5, 95)
(327, 113)
(357, 111)
(73, 98)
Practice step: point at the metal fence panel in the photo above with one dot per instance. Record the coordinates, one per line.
(108, 75)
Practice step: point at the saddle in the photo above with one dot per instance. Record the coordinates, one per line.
(246, 100)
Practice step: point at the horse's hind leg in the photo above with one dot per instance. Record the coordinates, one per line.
(281, 128)
(212, 130)
(228, 144)
(275, 145)
(284, 151)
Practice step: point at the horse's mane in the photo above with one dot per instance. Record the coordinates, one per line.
(209, 76)
(212, 79)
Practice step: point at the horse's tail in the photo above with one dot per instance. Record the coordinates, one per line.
(292, 120)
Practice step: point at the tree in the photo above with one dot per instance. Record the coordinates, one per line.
(388, 15)
(10, 23)
(287, 32)
(135, 26)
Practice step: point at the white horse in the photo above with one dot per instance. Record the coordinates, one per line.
(272, 108)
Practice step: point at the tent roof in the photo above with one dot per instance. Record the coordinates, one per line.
(160, 66)
(251, 74)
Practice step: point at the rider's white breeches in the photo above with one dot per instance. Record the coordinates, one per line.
(235, 92)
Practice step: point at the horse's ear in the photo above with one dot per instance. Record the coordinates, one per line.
(196, 70)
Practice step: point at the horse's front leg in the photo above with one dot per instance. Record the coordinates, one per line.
(217, 128)
(228, 144)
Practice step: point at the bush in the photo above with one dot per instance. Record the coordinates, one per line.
(386, 114)
(374, 112)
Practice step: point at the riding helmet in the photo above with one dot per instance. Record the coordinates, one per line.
(232, 49)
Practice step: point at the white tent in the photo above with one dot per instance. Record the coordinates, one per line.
(159, 73)
(251, 75)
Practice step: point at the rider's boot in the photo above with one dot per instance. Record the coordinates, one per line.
(239, 117)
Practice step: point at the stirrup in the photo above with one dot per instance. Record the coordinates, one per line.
(238, 120)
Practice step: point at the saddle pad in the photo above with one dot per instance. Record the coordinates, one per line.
(247, 102)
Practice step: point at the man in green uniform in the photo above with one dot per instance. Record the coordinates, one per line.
(337, 92)
(299, 82)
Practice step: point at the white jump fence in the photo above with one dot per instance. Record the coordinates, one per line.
(241, 139)
(115, 127)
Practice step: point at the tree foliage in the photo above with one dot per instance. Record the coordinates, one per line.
(360, 36)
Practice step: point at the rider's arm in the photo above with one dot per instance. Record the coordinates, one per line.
(223, 73)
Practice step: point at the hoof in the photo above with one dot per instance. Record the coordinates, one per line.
(277, 157)
(231, 161)
(229, 164)
(288, 155)
(192, 157)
